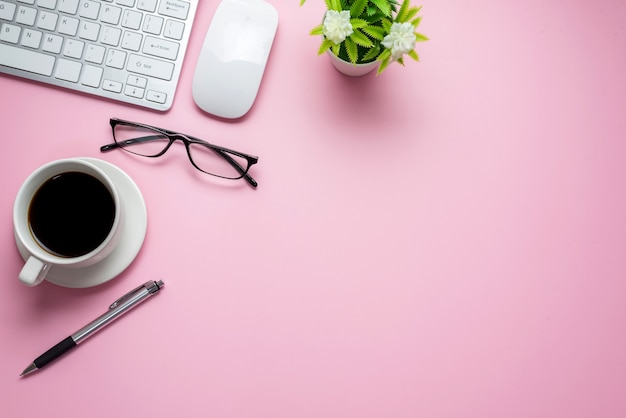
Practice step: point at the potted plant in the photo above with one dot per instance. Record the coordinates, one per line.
(362, 34)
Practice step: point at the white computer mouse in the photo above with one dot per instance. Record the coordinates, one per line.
(233, 57)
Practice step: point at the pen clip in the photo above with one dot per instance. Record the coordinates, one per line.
(151, 286)
(126, 296)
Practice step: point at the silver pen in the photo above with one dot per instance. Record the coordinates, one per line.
(117, 309)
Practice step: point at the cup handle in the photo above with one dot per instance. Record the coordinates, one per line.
(34, 271)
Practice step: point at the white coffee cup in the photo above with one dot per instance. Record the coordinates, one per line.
(63, 217)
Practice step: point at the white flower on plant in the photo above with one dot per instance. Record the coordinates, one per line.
(400, 40)
(337, 26)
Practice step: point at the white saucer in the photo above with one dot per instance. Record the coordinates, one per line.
(128, 246)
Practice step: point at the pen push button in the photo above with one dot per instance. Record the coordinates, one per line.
(151, 286)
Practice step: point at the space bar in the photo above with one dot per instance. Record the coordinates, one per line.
(26, 60)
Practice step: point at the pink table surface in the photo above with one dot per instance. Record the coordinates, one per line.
(443, 240)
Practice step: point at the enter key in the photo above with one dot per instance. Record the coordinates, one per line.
(160, 48)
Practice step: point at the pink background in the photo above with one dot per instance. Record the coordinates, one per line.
(443, 240)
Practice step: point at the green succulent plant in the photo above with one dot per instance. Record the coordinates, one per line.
(362, 31)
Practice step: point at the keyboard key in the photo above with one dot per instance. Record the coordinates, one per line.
(7, 11)
(150, 67)
(52, 43)
(111, 15)
(110, 36)
(95, 54)
(133, 91)
(47, 21)
(113, 86)
(89, 31)
(10, 33)
(48, 4)
(91, 76)
(131, 40)
(68, 70)
(174, 8)
(68, 6)
(89, 9)
(133, 80)
(147, 5)
(73, 48)
(26, 16)
(153, 24)
(174, 29)
(131, 19)
(31, 38)
(116, 59)
(156, 96)
(160, 48)
(26, 60)
(68, 26)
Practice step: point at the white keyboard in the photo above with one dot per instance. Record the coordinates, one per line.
(127, 50)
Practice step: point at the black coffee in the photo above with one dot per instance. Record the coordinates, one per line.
(71, 214)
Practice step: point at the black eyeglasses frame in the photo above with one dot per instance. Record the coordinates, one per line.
(187, 140)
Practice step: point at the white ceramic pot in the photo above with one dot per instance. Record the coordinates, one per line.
(350, 69)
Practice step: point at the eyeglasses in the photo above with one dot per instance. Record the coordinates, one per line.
(150, 141)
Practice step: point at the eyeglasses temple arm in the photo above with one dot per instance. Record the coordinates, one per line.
(108, 147)
(133, 141)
